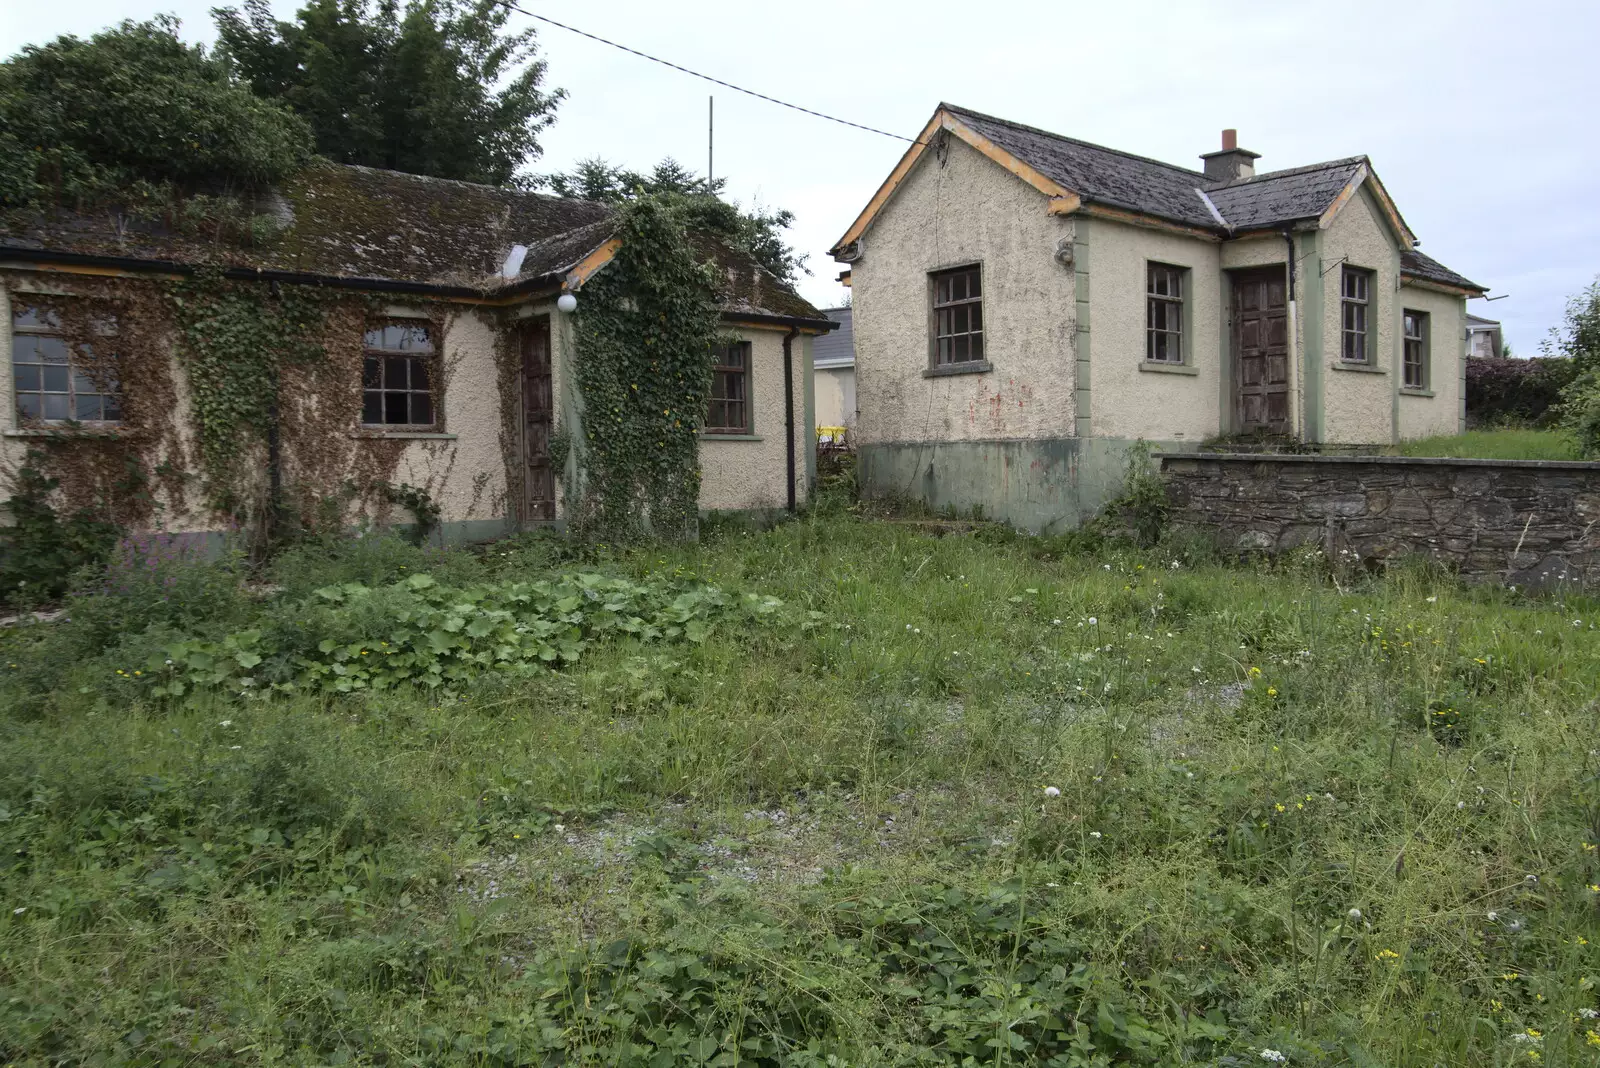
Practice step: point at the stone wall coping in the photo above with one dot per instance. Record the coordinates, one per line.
(1391, 461)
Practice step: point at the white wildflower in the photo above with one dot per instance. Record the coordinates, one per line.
(1493, 915)
(1093, 621)
(1095, 834)
(1354, 915)
(1274, 1056)
(226, 723)
(1051, 791)
(19, 911)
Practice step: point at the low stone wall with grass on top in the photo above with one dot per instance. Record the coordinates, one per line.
(1528, 523)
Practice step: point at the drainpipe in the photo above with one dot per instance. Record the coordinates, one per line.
(788, 408)
(1295, 377)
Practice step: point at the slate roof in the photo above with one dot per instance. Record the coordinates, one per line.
(359, 224)
(1416, 265)
(1148, 186)
(1279, 197)
(837, 349)
(1116, 179)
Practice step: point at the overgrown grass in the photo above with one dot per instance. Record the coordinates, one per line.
(975, 797)
(1499, 444)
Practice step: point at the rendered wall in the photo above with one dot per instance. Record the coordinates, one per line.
(1439, 408)
(962, 210)
(1526, 523)
(836, 396)
(750, 471)
(1359, 404)
(1044, 485)
(1131, 397)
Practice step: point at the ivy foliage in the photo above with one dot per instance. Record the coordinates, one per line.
(135, 117)
(41, 549)
(440, 87)
(646, 326)
(235, 339)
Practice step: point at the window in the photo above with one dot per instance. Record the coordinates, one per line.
(54, 381)
(1415, 359)
(1164, 313)
(957, 316)
(1355, 290)
(397, 377)
(729, 411)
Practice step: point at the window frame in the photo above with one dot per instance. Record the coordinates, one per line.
(1362, 306)
(968, 303)
(1423, 341)
(430, 359)
(1179, 303)
(45, 328)
(719, 366)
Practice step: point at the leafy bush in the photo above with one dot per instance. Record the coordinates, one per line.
(375, 559)
(418, 632)
(40, 550)
(1502, 389)
(167, 122)
(159, 580)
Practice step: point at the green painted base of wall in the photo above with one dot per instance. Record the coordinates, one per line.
(1044, 486)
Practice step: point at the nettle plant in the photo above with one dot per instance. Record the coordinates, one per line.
(646, 329)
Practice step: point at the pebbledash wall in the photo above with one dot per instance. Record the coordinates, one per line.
(1530, 523)
(1038, 433)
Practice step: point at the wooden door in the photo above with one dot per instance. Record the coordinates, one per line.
(1261, 351)
(538, 418)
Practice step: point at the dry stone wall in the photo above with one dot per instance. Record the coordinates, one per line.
(1524, 523)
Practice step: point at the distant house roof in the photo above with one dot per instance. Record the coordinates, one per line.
(1478, 322)
(373, 229)
(1076, 173)
(837, 349)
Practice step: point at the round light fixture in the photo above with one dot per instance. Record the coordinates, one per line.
(567, 303)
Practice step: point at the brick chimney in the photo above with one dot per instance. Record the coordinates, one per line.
(1232, 162)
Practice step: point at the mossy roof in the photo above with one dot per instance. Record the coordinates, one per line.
(359, 224)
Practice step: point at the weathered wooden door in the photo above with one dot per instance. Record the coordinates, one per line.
(538, 417)
(1261, 351)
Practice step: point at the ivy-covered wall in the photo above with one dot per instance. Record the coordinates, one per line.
(192, 453)
(201, 360)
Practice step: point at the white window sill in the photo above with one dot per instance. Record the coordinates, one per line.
(967, 367)
(71, 430)
(1415, 391)
(401, 435)
(712, 435)
(1161, 367)
(1364, 368)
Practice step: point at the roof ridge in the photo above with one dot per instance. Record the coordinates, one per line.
(1289, 172)
(501, 189)
(1073, 140)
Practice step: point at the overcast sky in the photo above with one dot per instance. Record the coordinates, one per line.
(1479, 117)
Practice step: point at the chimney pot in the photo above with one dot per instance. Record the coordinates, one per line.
(1230, 140)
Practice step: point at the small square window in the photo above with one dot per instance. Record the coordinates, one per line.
(397, 377)
(54, 381)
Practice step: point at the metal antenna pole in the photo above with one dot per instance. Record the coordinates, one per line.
(711, 128)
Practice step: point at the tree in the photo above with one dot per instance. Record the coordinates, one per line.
(406, 91)
(1578, 337)
(133, 114)
(758, 232)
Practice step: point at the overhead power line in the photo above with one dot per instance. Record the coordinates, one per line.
(706, 77)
